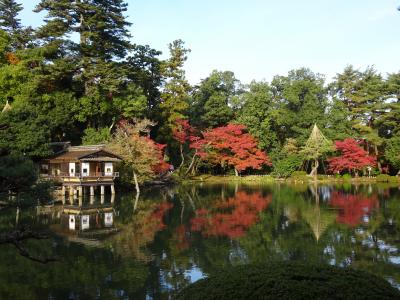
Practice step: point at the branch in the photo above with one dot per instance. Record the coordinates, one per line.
(17, 236)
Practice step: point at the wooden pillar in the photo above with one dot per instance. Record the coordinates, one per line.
(80, 191)
(71, 196)
(91, 199)
(91, 190)
(63, 190)
(102, 199)
(112, 198)
(80, 201)
(75, 191)
(102, 190)
(112, 190)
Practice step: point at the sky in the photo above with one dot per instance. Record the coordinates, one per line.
(258, 39)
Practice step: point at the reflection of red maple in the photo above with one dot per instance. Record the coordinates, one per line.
(181, 238)
(158, 215)
(353, 207)
(230, 218)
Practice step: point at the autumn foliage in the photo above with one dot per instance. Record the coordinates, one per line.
(353, 207)
(231, 218)
(142, 154)
(231, 145)
(353, 157)
(182, 131)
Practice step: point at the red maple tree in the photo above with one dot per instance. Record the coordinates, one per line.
(353, 158)
(182, 131)
(231, 145)
(184, 134)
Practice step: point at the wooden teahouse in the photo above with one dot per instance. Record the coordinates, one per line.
(80, 167)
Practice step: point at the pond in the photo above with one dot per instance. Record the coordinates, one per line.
(150, 248)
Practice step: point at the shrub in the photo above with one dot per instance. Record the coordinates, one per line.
(386, 178)
(346, 176)
(286, 166)
(289, 280)
(299, 176)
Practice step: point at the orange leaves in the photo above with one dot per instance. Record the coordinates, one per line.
(12, 58)
(231, 145)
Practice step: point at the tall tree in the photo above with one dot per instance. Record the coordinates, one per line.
(214, 100)
(363, 94)
(9, 21)
(145, 70)
(9, 10)
(175, 95)
(301, 101)
(257, 113)
(97, 73)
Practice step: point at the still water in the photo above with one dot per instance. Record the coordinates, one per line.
(151, 247)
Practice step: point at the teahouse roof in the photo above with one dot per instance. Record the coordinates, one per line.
(86, 153)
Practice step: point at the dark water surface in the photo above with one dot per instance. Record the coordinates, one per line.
(171, 237)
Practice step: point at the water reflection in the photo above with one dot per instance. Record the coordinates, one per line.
(153, 246)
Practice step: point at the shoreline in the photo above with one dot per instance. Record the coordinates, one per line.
(395, 181)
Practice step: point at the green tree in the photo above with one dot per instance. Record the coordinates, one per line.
(175, 94)
(363, 94)
(97, 72)
(17, 173)
(9, 21)
(301, 101)
(257, 113)
(392, 152)
(214, 99)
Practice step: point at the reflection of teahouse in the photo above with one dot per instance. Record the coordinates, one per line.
(87, 218)
(88, 224)
(80, 167)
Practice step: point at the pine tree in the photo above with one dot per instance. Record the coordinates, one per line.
(98, 75)
(20, 36)
(9, 21)
(175, 95)
(316, 146)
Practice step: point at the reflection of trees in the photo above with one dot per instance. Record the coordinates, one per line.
(318, 219)
(352, 207)
(140, 231)
(81, 272)
(230, 218)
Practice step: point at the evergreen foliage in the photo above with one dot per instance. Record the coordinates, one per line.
(289, 280)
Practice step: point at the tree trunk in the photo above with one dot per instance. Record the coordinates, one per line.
(191, 163)
(136, 183)
(182, 156)
(377, 160)
(236, 172)
(314, 171)
(136, 202)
